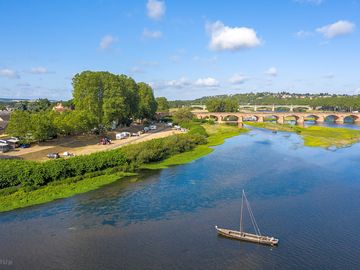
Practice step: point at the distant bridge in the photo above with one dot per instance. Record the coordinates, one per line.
(279, 117)
(257, 107)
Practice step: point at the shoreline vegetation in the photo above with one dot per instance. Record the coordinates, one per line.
(92, 171)
(316, 136)
(217, 135)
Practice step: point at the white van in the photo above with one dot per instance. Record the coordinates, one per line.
(152, 127)
(123, 135)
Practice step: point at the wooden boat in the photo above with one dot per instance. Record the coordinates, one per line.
(244, 236)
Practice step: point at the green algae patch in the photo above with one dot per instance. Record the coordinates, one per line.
(56, 190)
(316, 136)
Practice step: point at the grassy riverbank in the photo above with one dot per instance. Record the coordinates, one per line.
(317, 136)
(217, 135)
(56, 190)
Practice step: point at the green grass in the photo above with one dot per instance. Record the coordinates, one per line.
(217, 136)
(317, 136)
(56, 190)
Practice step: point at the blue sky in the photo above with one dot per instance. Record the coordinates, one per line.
(184, 49)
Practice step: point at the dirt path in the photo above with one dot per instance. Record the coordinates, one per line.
(83, 145)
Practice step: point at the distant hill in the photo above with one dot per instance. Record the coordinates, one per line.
(9, 100)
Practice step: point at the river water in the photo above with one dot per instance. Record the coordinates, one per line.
(309, 198)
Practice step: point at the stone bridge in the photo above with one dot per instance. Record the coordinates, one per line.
(273, 107)
(256, 107)
(279, 117)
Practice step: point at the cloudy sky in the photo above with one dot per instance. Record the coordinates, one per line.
(184, 49)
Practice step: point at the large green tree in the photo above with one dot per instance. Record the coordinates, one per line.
(132, 89)
(182, 115)
(110, 99)
(19, 125)
(42, 127)
(147, 102)
(162, 104)
(88, 93)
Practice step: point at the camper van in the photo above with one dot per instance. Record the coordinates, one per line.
(4, 147)
(123, 135)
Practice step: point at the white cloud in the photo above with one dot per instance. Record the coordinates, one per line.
(39, 70)
(107, 41)
(180, 83)
(152, 34)
(272, 72)
(177, 83)
(207, 82)
(155, 9)
(231, 38)
(238, 79)
(9, 73)
(338, 28)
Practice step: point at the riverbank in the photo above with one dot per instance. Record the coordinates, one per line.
(217, 135)
(316, 136)
(18, 197)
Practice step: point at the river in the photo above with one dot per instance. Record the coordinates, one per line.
(307, 197)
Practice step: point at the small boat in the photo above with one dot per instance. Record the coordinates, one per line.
(244, 236)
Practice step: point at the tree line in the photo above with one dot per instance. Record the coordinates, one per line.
(101, 101)
(321, 101)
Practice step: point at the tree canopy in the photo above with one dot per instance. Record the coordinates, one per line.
(163, 104)
(112, 99)
(102, 101)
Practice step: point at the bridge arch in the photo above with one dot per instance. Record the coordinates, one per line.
(265, 108)
(291, 119)
(271, 118)
(351, 119)
(230, 117)
(250, 118)
(282, 109)
(300, 108)
(331, 118)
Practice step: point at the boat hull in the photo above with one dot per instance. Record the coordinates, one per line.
(248, 237)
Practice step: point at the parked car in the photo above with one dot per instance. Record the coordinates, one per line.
(135, 134)
(53, 155)
(25, 145)
(68, 154)
(4, 147)
(146, 129)
(169, 124)
(122, 135)
(152, 127)
(177, 127)
(13, 142)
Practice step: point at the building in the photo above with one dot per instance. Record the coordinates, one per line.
(60, 108)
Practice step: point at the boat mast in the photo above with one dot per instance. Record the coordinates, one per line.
(252, 217)
(241, 212)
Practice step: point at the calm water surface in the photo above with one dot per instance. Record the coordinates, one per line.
(307, 197)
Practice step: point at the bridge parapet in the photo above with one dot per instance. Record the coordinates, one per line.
(279, 117)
